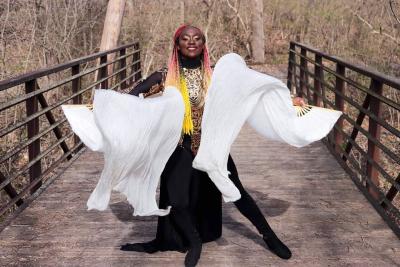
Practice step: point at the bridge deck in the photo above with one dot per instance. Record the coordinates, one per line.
(307, 198)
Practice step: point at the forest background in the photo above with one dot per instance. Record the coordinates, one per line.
(39, 33)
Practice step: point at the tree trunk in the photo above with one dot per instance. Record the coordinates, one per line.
(112, 27)
(182, 12)
(257, 32)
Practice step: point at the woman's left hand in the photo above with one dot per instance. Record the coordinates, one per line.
(298, 101)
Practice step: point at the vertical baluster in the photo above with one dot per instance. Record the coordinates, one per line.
(103, 72)
(76, 86)
(122, 64)
(375, 130)
(33, 129)
(136, 66)
(291, 66)
(339, 103)
(303, 74)
(317, 80)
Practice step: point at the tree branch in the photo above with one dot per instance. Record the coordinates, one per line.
(375, 31)
(392, 10)
(236, 11)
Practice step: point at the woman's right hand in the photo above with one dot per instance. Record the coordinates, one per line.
(298, 101)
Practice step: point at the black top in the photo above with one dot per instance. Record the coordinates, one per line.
(156, 77)
(145, 85)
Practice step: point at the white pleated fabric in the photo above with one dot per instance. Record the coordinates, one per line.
(238, 94)
(137, 136)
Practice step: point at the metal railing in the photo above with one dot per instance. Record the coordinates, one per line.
(39, 144)
(366, 139)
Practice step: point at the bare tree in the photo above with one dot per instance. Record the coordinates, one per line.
(257, 31)
(112, 26)
(182, 12)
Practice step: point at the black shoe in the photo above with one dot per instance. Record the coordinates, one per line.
(277, 246)
(148, 247)
(193, 255)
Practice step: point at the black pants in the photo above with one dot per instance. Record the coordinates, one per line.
(246, 205)
(196, 202)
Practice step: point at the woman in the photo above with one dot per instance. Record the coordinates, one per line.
(196, 203)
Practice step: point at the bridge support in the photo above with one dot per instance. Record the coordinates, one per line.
(33, 129)
(375, 130)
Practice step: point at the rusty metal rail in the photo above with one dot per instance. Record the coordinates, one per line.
(39, 142)
(365, 141)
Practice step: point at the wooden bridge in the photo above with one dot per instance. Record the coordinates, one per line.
(334, 203)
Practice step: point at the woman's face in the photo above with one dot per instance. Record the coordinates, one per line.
(191, 42)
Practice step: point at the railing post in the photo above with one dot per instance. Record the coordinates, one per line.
(303, 74)
(122, 64)
(317, 80)
(291, 66)
(76, 86)
(103, 72)
(136, 66)
(375, 130)
(33, 129)
(339, 103)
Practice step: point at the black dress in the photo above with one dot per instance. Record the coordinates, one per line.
(184, 188)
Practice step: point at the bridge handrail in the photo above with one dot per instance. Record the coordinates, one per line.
(34, 173)
(14, 81)
(325, 80)
(386, 79)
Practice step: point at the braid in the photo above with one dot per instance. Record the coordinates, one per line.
(176, 79)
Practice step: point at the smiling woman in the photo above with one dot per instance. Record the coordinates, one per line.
(191, 42)
(196, 215)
